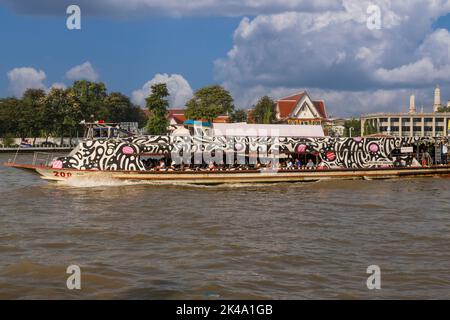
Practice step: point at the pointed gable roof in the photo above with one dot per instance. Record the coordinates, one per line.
(286, 105)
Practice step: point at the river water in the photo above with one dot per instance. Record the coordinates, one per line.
(281, 241)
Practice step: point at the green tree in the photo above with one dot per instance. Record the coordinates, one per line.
(443, 109)
(264, 111)
(7, 140)
(157, 105)
(90, 96)
(9, 116)
(120, 109)
(118, 106)
(355, 124)
(138, 115)
(64, 110)
(30, 120)
(369, 128)
(239, 115)
(208, 103)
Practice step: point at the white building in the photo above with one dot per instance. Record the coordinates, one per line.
(411, 124)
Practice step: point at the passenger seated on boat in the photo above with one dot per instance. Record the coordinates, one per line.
(173, 165)
(289, 165)
(211, 165)
(426, 159)
(162, 165)
(147, 163)
(414, 162)
(298, 163)
(310, 165)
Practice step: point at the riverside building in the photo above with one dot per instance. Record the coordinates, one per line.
(411, 124)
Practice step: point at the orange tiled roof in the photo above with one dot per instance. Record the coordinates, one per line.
(287, 104)
(320, 106)
(179, 117)
(285, 108)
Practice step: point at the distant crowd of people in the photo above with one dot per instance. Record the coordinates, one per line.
(425, 160)
(166, 164)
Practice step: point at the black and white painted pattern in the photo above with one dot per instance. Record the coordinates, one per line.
(123, 154)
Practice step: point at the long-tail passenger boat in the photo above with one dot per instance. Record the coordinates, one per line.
(243, 158)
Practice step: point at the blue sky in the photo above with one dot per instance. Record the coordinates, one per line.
(126, 53)
(253, 48)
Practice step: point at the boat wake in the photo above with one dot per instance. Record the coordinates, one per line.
(95, 181)
(92, 182)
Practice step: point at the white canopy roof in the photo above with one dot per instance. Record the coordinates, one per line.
(267, 130)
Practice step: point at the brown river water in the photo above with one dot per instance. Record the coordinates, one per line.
(277, 241)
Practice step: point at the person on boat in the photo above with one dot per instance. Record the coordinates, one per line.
(148, 163)
(278, 165)
(396, 162)
(414, 162)
(162, 165)
(310, 164)
(289, 164)
(211, 165)
(298, 163)
(426, 159)
(444, 154)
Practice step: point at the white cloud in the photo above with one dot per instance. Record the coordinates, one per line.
(21, 79)
(355, 103)
(432, 64)
(179, 89)
(83, 71)
(333, 53)
(323, 46)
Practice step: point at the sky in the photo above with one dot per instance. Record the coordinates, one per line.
(251, 47)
